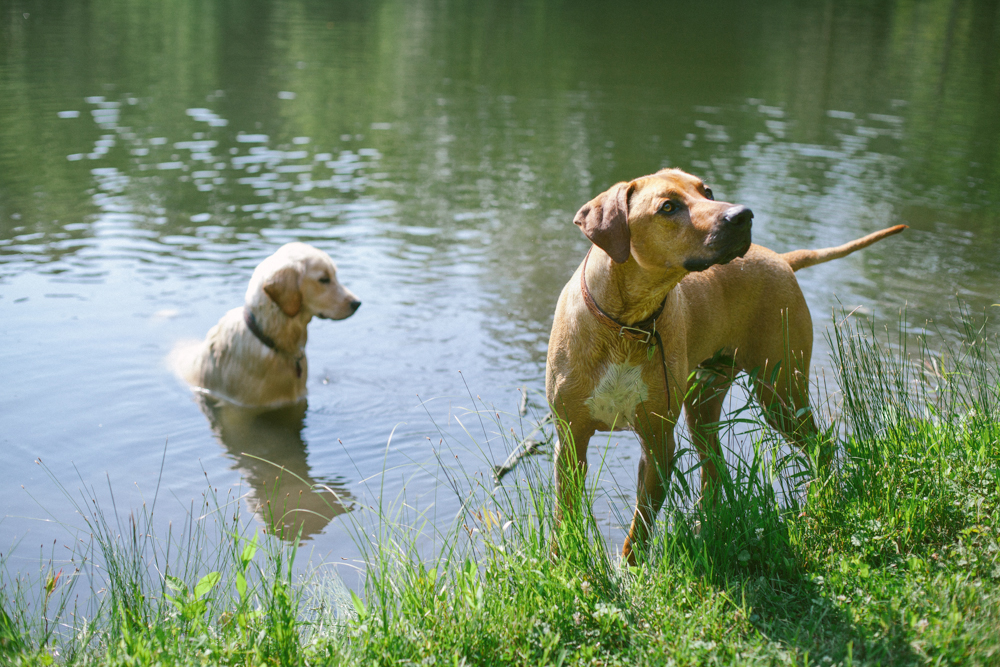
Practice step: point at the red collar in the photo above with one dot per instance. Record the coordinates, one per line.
(642, 331)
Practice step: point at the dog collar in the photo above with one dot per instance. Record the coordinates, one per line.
(643, 331)
(255, 329)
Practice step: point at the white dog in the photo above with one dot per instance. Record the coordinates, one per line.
(255, 356)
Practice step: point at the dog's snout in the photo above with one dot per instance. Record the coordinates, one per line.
(355, 304)
(737, 216)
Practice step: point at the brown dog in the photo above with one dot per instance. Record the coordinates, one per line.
(673, 285)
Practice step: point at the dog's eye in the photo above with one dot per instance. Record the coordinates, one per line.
(325, 280)
(708, 193)
(668, 207)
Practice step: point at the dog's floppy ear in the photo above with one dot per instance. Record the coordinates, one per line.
(604, 220)
(283, 288)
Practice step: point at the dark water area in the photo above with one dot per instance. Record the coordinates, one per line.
(151, 154)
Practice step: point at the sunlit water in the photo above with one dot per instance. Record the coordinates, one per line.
(149, 159)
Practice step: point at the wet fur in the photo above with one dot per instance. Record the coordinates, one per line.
(284, 294)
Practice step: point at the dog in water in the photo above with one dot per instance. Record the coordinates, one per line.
(255, 356)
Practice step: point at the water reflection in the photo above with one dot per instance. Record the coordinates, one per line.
(271, 456)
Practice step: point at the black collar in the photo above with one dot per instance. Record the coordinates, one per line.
(255, 329)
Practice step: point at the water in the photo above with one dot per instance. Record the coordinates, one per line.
(151, 156)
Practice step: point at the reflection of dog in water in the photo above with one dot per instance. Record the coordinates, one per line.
(269, 452)
(255, 355)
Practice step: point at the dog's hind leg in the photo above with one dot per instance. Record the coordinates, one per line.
(777, 360)
(703, 407)
(793, 417)
(783, 393)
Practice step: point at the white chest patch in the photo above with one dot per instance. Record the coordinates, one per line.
(617, 395)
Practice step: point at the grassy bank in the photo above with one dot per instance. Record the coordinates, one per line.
(892, 558)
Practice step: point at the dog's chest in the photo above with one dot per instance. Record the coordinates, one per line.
(617, 395)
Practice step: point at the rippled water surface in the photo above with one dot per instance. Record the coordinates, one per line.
(152, 154)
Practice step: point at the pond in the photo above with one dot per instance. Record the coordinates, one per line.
(152, 155)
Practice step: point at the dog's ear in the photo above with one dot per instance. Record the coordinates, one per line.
(283, 288)
(604, 220)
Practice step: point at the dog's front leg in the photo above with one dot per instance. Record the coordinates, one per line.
(570, 470)
(655, 467)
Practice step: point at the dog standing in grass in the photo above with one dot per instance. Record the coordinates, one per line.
(671, 302)
(255, 356)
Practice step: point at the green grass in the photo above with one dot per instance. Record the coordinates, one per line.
(891, 558)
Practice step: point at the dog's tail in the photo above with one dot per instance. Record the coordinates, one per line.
(800, 259)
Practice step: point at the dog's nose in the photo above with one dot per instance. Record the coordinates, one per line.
(355, 305)
(737, 216)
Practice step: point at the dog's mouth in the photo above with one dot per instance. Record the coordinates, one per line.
(340, 315)
(722, 257)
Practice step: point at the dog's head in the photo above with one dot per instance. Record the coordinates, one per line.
(666, 220)
(302, 279)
